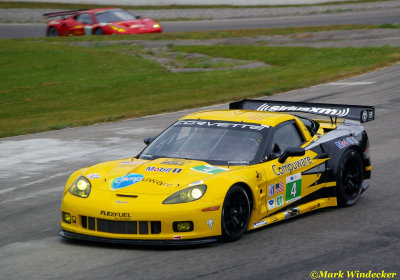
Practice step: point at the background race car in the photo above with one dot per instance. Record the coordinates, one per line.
(218, 174)
(105, 21)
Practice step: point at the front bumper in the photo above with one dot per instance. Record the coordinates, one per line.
(105, 217)
(71, 235)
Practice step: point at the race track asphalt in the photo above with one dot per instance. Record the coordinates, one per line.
(379, 16)
(365, 237)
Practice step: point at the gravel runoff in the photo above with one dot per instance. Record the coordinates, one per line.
(337, 38)
(35, 15)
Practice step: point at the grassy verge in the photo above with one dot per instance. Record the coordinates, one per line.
(49, 86)
(220, 34)
(43, 5)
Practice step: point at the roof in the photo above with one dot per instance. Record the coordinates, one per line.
(266, 118)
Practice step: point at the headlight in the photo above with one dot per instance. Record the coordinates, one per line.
(156, 25)
(80, 187)
(187, 195)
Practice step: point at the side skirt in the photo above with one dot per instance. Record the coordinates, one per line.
(295, 211)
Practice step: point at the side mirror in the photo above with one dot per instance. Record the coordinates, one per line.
(291, 152)
(138, 17)
(148, 140)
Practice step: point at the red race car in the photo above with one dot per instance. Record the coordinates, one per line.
(105, 21)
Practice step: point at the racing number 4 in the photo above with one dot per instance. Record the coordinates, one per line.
(293, 187)
(293, 192)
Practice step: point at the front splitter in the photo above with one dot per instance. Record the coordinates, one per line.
(177, 242)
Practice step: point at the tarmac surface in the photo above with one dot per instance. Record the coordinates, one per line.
(367, 16)
(361, 238)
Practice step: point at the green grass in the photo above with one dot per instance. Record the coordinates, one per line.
(220, 34)
(48, 85)
(65, 6)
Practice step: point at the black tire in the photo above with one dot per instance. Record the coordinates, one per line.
(52, 32)
(235, 214)
(350, 176)
(98, 31)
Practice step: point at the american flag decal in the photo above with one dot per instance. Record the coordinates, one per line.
(280, 187)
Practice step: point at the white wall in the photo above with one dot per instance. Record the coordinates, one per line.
(184, 2)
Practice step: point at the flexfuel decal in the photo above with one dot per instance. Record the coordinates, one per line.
(286, 168)
(209, 169)
(293, 188)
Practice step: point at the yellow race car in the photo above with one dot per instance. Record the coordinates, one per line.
(217, 174)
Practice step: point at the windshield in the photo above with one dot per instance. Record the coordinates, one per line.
(216, 142)
(113, 15)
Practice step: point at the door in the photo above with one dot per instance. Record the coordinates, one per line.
(287, 181)
(81, 25)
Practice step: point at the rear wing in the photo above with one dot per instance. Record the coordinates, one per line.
(62, 13)
(352, 112)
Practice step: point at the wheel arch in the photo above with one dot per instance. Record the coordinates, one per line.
(249, 193)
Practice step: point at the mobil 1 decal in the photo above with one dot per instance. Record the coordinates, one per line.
(293, 187)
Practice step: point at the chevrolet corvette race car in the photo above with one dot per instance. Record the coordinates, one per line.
(216, 174)
(105, 21)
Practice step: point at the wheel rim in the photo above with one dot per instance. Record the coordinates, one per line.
(351, 179)
(53, 32)
(236, 213)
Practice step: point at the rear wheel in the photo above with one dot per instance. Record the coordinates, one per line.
(235, 213)
(349, 178)
(52, 32)
(98, 31)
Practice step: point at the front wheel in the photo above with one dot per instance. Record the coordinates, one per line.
(350, 176)
(235, 213)
(52, 32)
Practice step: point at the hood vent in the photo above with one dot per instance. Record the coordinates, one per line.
(126, 195)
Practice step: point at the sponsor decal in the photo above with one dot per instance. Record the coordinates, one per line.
(210, 223)
(258, 224)
(314, 110)
(163, 169)
(314, 207)
(271, 190)
(364, 116)
(371, 115)
(293, 188)
(279, 201)
(238, 162)
(258, 176)
(133, 178)
(222, 124)
(175, 162)
(115, 214)
(346, 142)
(88, 30)
(121, 202)
(126, 181)
(177, 237)
(196, 183)
(257, 117)
(273, 219)
(271, 204)
(286, 168)
(93, 176)
(279, 187)
(209, 169)
(158, 182)
(130, 162)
